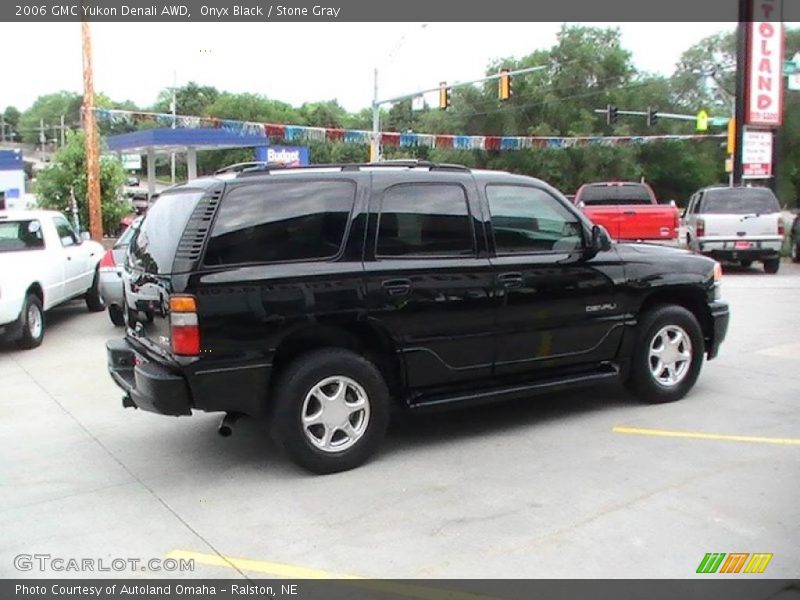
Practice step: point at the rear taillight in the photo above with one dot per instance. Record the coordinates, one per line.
(184, 328)
(108, 261)
(781, 227)
(700, 228)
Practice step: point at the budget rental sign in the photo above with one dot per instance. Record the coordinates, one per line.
(764, 97)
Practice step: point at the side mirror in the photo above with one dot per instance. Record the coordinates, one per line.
(673, 204)
(599, 242)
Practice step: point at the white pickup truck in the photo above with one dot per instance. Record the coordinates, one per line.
(43, 263)
(741, 224)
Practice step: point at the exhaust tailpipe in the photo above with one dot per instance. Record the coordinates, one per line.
(226, 425)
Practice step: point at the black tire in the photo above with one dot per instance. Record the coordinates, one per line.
(796, 252)
(116, 315)
(94, 301)
(31, 338)
(291, 392)
(746, 263)
(641, 381)
(772, 265)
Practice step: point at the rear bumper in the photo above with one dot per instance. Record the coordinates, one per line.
(727, 250)
(720, 316)
(146, 385)
(151, 386)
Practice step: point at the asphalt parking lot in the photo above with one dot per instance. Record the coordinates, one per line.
(580, 484)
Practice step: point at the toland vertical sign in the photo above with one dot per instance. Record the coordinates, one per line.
(764, 97)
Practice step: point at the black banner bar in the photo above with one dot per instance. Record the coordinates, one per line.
(738, 588)
(371, 10)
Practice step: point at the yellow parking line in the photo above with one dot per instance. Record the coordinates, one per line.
(296, 572)
(753, 439)
(257, 566)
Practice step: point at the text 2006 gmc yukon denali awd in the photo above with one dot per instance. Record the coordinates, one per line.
(319, 297)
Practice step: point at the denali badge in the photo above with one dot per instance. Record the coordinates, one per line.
(598, 307)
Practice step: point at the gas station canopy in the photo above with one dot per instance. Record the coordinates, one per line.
(189, 141)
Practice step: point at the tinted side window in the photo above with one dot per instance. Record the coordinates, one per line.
(528, 219)
(425, 220)
(65, 233)
(281, 221)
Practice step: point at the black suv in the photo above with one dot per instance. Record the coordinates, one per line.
(320, 297)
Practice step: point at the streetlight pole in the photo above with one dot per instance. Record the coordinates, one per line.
(172, 109)
(375, 143)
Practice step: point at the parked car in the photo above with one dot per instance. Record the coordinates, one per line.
(320, 297)
(43, 263)
(740, 224)
(629, 211)
(794, 238)
(110, 273)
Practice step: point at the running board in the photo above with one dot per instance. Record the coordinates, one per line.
(479, 396)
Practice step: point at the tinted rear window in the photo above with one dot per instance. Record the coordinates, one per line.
(154, 244)
(607, 195)
(16, 236)
(743, 201)
(281, 221)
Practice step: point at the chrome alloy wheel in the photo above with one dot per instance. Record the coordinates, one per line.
(335, 414)
(35, 321)
(670, 355)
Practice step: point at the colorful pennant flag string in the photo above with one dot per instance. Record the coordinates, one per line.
(302, 133)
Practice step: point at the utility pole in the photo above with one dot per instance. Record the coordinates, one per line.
(42, 139)
(92, 148)
(2, 128)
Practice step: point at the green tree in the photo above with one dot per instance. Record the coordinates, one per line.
(191, 99)
(706, 75)
(67, 172)
(49, 109)
(11, 120)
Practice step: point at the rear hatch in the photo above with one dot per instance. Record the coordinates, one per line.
(731, 213)
(166, 246)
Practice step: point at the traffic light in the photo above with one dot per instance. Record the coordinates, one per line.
(504, 90)
(652, 116)
(611, 114)
(444, 96)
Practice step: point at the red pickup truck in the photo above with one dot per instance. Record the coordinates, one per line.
(629, 211)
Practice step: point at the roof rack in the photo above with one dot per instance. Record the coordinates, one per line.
(345, 167)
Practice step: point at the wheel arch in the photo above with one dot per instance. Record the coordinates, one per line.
(37, 290)
(692, 299)
(364, 338)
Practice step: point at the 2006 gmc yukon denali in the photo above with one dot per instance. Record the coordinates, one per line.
(318, 297)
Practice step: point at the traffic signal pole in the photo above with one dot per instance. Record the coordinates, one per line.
(375, 145)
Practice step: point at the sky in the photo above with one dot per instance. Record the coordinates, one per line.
(295, 62)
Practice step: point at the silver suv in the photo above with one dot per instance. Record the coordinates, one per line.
(741, 224)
